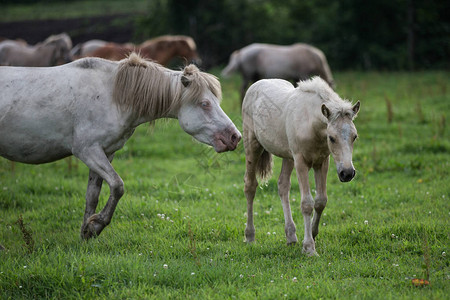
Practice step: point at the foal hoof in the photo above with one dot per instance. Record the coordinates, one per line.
(92, 228)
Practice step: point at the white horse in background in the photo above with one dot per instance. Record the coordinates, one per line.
(302, 125)
(295, 62)
(91, 107)
(55, 50)
(87, 48)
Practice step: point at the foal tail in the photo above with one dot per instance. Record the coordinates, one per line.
(264, 166)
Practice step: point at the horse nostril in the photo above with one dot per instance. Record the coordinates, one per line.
(342, 174)
(233, 137)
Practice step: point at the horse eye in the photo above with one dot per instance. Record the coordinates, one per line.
(332, 139)
(205, 104)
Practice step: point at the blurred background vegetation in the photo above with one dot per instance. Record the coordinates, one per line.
(354, 34)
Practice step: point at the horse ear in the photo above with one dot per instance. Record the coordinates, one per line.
(325, 111)
(355, 108)
(185, 80)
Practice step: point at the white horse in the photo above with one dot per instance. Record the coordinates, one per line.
(87, 48)
(55, 50)
(302, 125)
(294, 62)
(91, 107)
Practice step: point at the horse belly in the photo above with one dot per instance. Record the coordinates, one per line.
(31, 135)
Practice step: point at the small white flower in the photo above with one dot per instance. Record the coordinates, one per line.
(271, 281)
(192, 273)
(165, 266)
(294, 279)
(268, 233)
(443, 253)
(241, 276)
(395, 265)
(24, 267)
(324, 224)
(366, 222)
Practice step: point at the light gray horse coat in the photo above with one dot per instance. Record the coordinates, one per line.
(91, 107)
(295, 62)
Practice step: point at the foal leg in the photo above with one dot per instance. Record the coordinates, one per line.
(320, 176)
(307, 204)
(284, 185)
(253, 151)
(99, 166)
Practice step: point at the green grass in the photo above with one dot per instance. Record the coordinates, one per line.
(387, 226)
(70, 9)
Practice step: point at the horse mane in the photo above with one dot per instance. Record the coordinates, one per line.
(60, 37)
(337, 106)
(152, 90)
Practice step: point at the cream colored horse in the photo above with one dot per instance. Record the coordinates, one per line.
(302, 125)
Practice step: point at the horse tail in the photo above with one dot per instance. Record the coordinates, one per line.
(233, 64)
(264, 166)
(327, 76)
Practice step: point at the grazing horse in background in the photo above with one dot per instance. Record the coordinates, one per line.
(114, 51)
(302, 125)
(295, 62)
(161, 49)
(86, 48)
(164, 48)
(89, 108)
(55, 50)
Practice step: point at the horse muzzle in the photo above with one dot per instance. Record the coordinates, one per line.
(227, 140)
(346, 175)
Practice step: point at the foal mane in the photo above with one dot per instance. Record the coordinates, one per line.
(149, 89)
(337, 106)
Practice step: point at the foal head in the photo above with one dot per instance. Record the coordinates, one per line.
(341, 134)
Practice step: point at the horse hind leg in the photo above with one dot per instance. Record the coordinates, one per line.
(253, 151)
(284, 185)
(99, 165)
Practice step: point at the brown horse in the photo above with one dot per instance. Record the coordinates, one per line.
(161, 49)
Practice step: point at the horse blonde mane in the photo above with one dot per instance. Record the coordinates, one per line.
(338, 107)
(151, 90)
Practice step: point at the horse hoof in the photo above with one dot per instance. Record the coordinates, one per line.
(94, 225)
(291, 240)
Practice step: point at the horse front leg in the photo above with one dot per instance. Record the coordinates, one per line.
(100, 169)
(284, 185)
(92, 193)
(307, 204)
(320, 177)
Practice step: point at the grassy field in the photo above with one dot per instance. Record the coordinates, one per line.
(178, 231)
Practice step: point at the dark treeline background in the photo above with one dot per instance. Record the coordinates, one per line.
(354, 34)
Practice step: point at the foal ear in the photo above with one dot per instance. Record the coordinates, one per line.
(355, 108)
(185, 80)
(325, 111)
